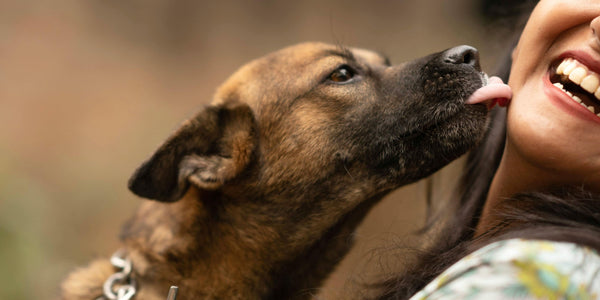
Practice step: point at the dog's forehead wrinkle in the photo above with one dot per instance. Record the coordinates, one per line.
(253, 89)
(272, 86)
(371, 57)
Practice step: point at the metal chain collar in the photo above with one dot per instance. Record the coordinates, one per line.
(127, 287)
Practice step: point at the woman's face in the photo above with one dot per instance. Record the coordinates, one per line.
(548, 128)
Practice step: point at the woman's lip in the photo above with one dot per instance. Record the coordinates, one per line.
(566, 103)
(583, 57)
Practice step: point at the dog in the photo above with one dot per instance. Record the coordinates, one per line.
(256, 197)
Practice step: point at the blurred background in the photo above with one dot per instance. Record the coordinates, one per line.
(89, 88)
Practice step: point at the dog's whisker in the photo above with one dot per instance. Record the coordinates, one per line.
(347, 171)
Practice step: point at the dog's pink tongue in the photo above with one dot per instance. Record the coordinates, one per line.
(495, 91)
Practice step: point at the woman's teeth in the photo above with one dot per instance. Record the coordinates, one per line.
(577, 99)
(572, 71)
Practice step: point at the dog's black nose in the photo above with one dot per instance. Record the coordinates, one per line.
(462, 55)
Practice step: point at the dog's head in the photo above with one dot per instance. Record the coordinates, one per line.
(320, 117)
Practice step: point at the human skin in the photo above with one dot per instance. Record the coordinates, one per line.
(551, 139)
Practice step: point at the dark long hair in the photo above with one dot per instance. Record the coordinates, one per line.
(569, 214)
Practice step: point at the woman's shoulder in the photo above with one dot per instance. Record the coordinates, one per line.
(521, 268)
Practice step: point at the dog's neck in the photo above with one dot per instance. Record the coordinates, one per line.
(216, 250)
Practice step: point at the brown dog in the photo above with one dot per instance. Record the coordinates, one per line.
(257, 195)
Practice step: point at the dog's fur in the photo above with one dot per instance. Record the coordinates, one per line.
(258, 194)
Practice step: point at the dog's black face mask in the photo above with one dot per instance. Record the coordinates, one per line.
(419, 121)
(319, 117)
(402, 123)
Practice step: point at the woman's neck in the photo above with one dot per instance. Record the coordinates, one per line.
(514, 175)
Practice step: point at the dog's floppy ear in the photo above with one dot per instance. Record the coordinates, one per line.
(208, 150)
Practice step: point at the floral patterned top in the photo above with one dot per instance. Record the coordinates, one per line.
(520, 269)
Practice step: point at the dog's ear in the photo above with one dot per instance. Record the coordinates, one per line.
(207, 151)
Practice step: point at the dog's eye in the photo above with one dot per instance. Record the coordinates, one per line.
(342, 74)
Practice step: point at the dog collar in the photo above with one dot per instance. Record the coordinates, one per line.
(121, 285)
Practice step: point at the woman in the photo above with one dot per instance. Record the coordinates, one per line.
(529, 208)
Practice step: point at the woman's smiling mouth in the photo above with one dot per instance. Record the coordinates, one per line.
(577, 81)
